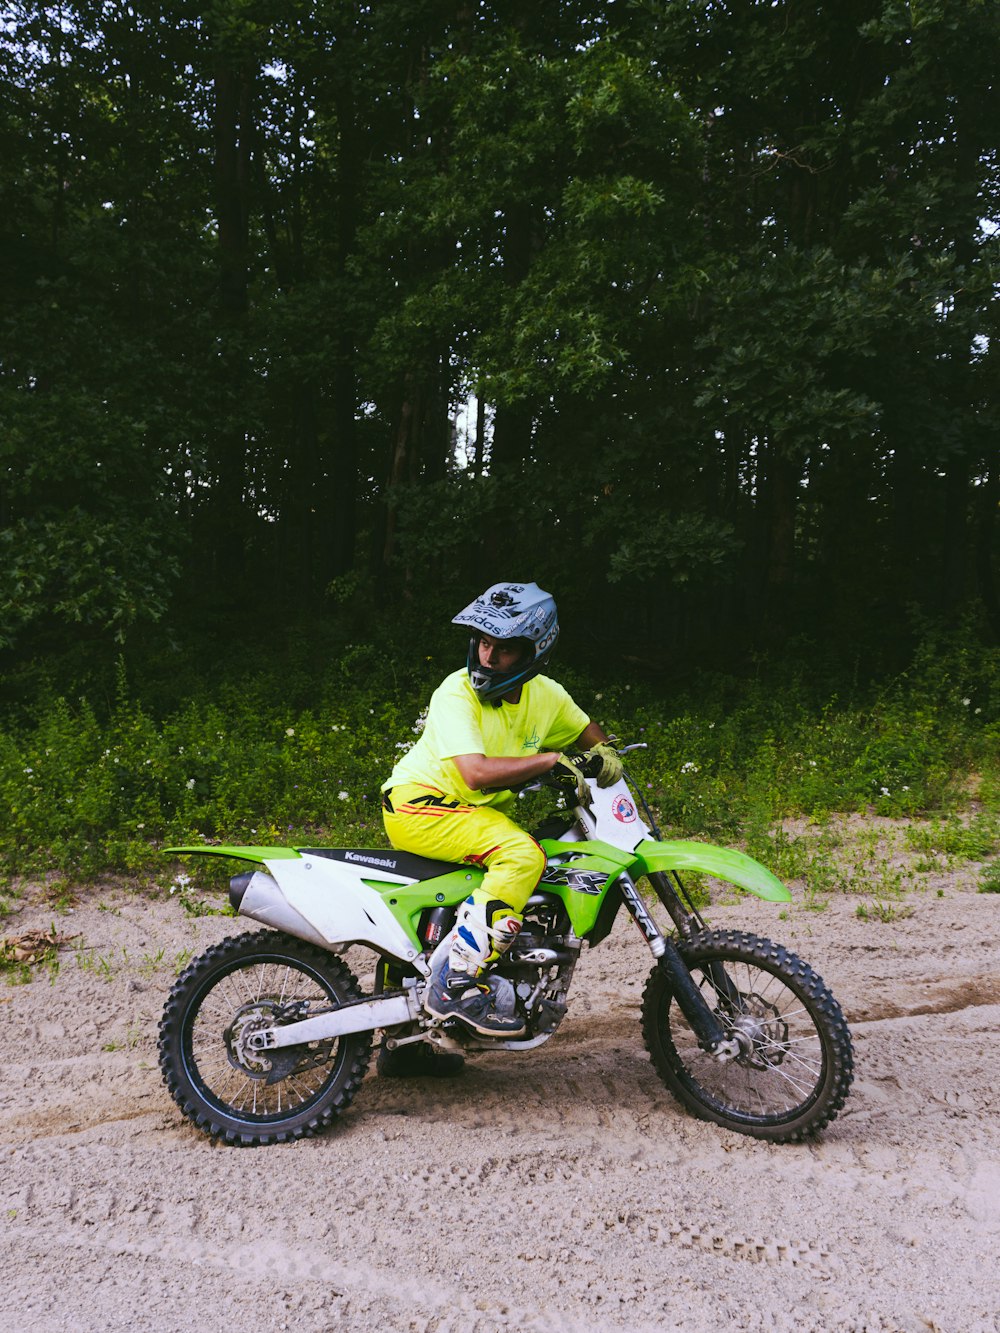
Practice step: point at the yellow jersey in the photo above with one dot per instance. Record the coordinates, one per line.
(459, 722)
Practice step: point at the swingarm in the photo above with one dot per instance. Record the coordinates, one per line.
(362, 1016)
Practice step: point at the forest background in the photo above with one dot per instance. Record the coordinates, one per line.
(318, 317)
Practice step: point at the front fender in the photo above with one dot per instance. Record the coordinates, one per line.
(720, 862)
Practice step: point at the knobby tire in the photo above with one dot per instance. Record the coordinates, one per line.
(239, 985)
(794, 1074)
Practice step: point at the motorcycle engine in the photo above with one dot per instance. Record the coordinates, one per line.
(534, 974)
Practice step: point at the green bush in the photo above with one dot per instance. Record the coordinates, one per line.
(971, 841)
(289, 751)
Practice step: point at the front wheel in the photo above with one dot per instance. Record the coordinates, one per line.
(795, 1064)
(247, 1097)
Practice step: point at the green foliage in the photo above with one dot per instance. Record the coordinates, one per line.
(883, 912)
(246, 760)
(771, 752)
(723, 278)
(673, 546)
(87, 795)
(971, 840)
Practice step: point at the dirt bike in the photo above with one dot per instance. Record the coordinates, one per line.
(267, 1036)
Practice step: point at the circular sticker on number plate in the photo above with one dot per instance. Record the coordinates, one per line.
(623, 810)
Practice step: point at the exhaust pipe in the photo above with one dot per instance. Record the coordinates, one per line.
(258, 895)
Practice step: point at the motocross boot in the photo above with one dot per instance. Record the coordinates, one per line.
(457, 995)
(484, 931)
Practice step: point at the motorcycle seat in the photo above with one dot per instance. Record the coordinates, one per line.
(410, 864)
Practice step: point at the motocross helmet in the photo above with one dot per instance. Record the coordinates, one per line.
(510, 611)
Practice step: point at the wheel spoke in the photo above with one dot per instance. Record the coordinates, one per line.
(237, 989)
(243, 1000)
(795, 1063)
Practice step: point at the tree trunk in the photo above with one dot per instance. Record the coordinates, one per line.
(989, 503)
(342, 464)
(232, 132)
(779, 505)
(405, 452)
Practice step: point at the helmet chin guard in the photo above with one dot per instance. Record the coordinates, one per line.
(510, 611)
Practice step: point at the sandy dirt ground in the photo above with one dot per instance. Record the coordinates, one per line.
(558, 1190)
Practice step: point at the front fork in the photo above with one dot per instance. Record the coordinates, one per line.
(704, 1022)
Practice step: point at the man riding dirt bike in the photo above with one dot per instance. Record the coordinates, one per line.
(478, 927)
(493, 725)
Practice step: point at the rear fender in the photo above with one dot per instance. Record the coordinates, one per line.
(261, 855)
(329, 903)
(719, 862)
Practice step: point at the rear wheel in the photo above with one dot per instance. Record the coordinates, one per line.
(795, 1064)
(247, 1097)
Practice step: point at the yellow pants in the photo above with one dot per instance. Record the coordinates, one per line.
(427, 821)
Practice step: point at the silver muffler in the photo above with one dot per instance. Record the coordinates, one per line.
(258, 895)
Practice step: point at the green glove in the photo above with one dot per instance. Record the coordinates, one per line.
(606, 767)
(567, 774)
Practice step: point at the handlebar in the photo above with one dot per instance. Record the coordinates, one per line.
(547, 780)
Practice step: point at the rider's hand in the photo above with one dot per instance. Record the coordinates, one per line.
(602, 762)
(568, 774)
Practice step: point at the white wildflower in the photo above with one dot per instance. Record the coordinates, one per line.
(966, 702)
(343, 796)
(289, 731)
(690, 767)
(190, 784)
(885, 791)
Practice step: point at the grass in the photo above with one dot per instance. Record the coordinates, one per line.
(133, 1035)
(91, 784)
(883, 912)
(103, 966)
(953, 839)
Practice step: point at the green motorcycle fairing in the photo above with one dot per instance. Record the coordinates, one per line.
(408, 902)
(595, 859)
